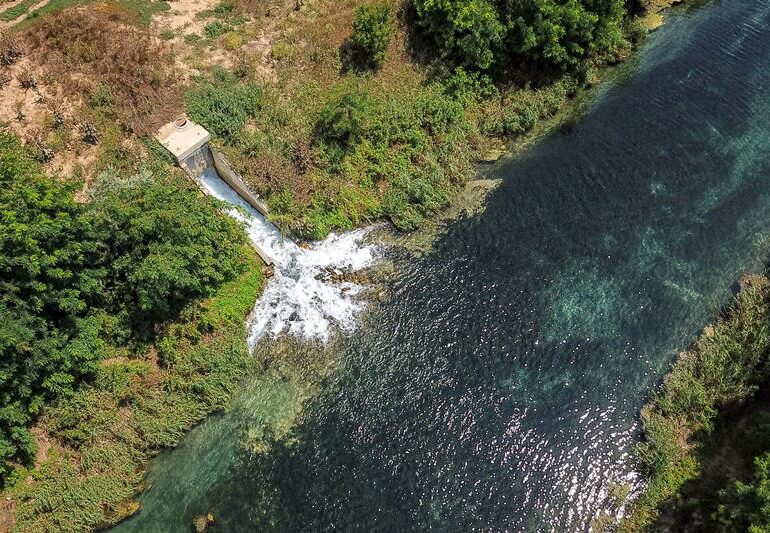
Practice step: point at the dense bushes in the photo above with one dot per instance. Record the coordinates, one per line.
(224, 106)
(106, 430)
(517, 111)
(50, 275)
(165, 246)
(73, 276)
(722, 370)
(746, 506)
(483, 34)
(372, 32)
(410, 146)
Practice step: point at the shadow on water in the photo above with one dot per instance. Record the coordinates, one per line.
(499, 386)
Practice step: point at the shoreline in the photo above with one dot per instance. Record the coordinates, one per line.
(467, 201)
(683, 420)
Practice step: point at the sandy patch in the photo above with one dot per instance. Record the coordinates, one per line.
(182, 17)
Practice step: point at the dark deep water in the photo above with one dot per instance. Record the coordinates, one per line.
(499, 387)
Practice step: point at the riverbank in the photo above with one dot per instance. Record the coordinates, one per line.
(88, 494)
(516, 355)
(269, 81)
(706, 425)
(94, 445)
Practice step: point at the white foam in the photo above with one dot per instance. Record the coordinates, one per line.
(301, 299)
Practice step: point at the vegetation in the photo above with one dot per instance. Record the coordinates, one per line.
(132, 299)
(90, 52)
(165, 246)
(746, 506)
(137, 403)
(414, 144)
(14, 12)
(708, 422)
(372, 31)
(500, 34)
(224, 105)
(78, 277)
(50, 274)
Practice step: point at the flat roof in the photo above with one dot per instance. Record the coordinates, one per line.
(183, 140)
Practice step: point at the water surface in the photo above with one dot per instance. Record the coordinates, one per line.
(498, 388)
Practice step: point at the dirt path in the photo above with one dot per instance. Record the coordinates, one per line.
(9, 23)
(263, 30)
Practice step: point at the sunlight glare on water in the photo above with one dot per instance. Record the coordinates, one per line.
(499, 386)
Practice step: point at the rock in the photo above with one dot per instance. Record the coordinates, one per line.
(202, 523)
(490, 156)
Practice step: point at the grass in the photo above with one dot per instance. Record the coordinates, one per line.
(137, 12)
(12, 13)
(109, 63)
(103, 435)
(721, 371)
(398, 166)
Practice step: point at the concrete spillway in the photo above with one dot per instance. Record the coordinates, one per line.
(308, 296)
(189, 143)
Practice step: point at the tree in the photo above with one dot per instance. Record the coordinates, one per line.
(746, 506)
(143, 249)
(372, 31)
(165, 246)
(551, 34)
(468, 31)
(50, 275)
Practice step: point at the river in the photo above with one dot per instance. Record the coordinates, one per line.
(498, 387)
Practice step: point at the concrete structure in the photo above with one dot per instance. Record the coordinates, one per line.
(189, 143)
(235, 181)
(183, 137)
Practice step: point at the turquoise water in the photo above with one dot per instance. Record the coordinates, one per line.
(499, 386)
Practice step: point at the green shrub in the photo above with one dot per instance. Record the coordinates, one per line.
(517, 111)
(232, 40)
(225, 8)
(345, 119)
(224, 108)
(410, 146)
(482, 34)
(52, 275)
(214, 29)
(103, 97)
(746, 506)
(467, 87)
(166, 247)
(372, 31)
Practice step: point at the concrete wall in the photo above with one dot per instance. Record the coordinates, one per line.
(198, 162)
(234, 180)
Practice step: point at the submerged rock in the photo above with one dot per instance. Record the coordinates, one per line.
(202, 523)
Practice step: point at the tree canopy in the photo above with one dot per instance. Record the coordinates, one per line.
(557, 34)
(372, 31)
(132, 258)
(50, 274)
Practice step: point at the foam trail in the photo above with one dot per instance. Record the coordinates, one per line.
(300, 299)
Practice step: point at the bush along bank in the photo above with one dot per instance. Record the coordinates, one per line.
(380, 110)
(707, 430)
(122, 326)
